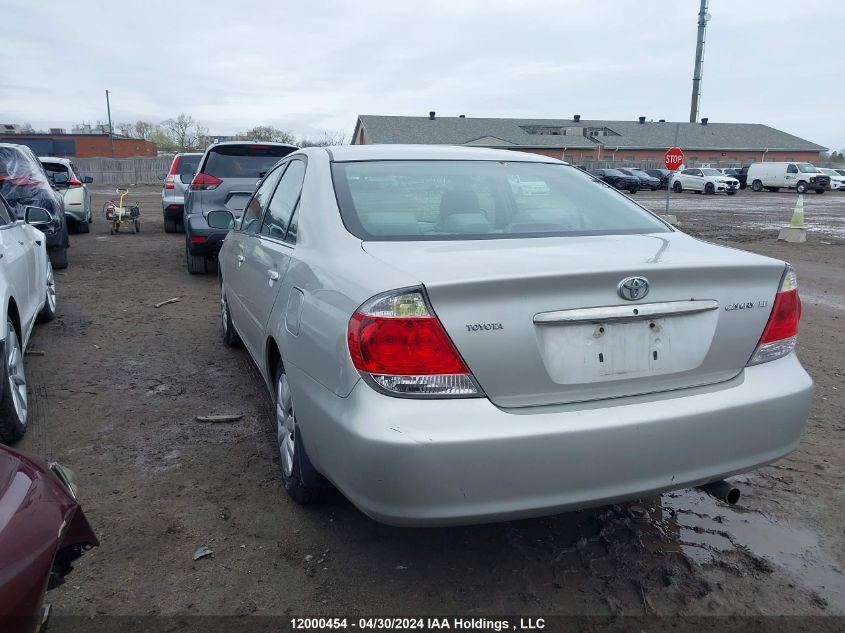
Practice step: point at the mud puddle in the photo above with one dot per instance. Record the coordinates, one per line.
(706, 529)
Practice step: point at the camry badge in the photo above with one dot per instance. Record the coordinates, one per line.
(633, 288)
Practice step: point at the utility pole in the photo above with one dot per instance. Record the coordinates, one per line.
(703, 19)
(108, 110)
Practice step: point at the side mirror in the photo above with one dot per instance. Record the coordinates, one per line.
(87, 180)
(221, 220)
(162, 176)
(38, 217)
(60, 178)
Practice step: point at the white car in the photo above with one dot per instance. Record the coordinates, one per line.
(77, 198)
(28, 295)
(703, 179)
(837, 180)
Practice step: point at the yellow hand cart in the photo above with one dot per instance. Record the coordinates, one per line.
(118, 213)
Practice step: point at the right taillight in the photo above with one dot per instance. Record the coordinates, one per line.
(169, 182)
(203, 181)
(399, 346)
(781, 333)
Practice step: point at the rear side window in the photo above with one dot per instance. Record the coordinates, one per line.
(460, 200)
(243, 161)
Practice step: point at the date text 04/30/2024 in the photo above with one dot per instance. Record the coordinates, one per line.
(418, 624)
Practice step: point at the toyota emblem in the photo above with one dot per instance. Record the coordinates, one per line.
(633, 288)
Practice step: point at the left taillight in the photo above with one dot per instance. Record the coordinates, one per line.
(399, 346)
(203, 181)
(781, 333)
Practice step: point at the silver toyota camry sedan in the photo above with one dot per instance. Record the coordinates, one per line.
(446, 347)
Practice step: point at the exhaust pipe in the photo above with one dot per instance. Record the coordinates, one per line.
(722, 490)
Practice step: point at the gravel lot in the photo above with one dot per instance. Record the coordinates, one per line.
(115, 397)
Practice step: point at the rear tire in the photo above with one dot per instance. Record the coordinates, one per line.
(230, 334)
(58, 257)
(48, 312)
(757, 186)
(819, 190)
(83, 227)
(677, 187)
(293, 460)
(801, 187)
(14, 411)
(632, 191)
(169, 226)
(196, 263)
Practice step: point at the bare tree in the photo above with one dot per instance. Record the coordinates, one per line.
(144, 129)
(187, 133)
(267, 134)
(325, 138)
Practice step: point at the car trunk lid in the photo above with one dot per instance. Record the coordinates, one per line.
(541, 321)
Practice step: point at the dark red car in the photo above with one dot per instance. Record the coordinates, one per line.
(42, 531)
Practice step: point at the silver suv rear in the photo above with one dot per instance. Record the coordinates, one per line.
(176, 183)
(226, 178)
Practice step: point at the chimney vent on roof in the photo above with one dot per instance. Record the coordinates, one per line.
(431, 115)
(642, 120)
(704, 121)
(576, 118)
(462, 116)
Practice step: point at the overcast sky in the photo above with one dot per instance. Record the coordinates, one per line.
(308, 65)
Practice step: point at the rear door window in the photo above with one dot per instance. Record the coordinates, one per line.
(284, 201)
(243, 161)
(258, 203)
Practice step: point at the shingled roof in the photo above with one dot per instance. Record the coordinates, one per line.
(525, 133)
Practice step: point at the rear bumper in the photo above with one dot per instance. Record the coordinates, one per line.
(173, 211)
(440, 462)
(209, 246)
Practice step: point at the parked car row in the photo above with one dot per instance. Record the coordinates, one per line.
(385, 358)
(42, 527)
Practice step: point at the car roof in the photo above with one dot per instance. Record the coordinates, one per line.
(54, 159)
(213, 145)
(348, 153)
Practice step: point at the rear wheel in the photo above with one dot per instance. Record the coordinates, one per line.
(169, 226)
(83, 227)
(14, 410)
(293, 459)
(709, 189)
(58, 257)
(677, 187)
(230, 335)
(196, 263)
(48, 312)
(757, 186)
(801, 187)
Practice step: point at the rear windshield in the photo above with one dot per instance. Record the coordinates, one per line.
(187, 165)
(460, 200)
(55, 168)
(243, 161)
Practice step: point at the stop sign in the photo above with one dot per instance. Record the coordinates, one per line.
(673, 159)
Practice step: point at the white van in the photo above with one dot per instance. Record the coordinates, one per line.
(798, 176)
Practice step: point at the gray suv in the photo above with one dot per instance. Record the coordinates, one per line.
(225, 180)
(176, 183)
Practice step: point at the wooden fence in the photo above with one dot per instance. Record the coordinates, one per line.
(128, 171)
